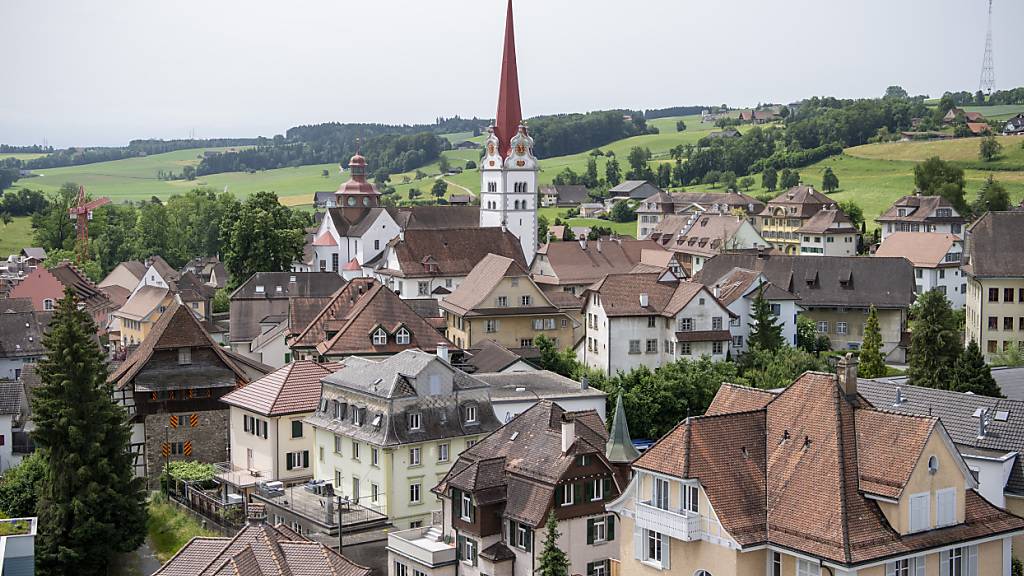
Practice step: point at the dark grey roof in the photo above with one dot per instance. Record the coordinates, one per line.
(1010, 381)
(436, 217)
(424, 307)
(16, 305)
(995, 245)
(956, 411)
(491, 357)
(10, 397)
(534, 384)
(34, 252)
(21, 333)
(853, 281)
(573, 194)
(397, 376)
(306, 284)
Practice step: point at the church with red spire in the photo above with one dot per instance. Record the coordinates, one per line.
(508, 172)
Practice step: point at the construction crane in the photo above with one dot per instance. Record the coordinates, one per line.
(81, 213)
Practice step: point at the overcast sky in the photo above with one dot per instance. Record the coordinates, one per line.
(103, 72)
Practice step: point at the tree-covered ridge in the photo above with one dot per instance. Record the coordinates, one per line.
(564, 134)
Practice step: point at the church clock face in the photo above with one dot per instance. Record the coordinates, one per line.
(351, 200)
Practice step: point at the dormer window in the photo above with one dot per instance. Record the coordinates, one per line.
(48, 304)
(260, 289)
(380, 337)
(414, 421)
(184, 356)
(471, 414)
(402, 336)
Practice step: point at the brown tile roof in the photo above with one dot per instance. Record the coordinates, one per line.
(176, 328)
(923, 249)
(86, 291)
(346, 324)
(259, 549)
(704, 336)
(451, 252)
(293, 388)
(166, 271)
(620, 294)
(482, 280)
(436, 217)
(919, 209)
(118, 295)
(587, 262)
(828, 221)
(703, 234)
(808, 200)
(995, 245)
(524, 457)
(794, 472)
(491, 357)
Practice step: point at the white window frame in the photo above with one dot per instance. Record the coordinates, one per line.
(568, 492)
(184, 356)
(465, 507)
(807, 568)
(414, 421)
(402, 336)
(415, 457)
(653, 541)
(689, 498)
(380, 337)
(442, 452)
(600, 529)
(471, 414)
(415, 493)
(598, 490)
(660, 497)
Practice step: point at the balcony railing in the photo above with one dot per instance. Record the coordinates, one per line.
(426, 545)
(679, 524)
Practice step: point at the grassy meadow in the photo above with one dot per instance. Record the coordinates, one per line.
(15, 236)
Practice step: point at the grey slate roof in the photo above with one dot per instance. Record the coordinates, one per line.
(844, 281)
(1010, 381)
(956, 410)
(10, 397)
(995, 245)
(491, 357)
(307, 284)
(21, 333)
(535, 384)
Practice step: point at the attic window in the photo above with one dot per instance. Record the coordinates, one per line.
(291, 279)
(1002, 416)
(402, 336)
(259, 289)
(278, 289)
(184, 356)
(933, 464)
(380, 337)
(376, 421)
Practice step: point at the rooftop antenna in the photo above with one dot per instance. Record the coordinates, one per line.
(988, 70)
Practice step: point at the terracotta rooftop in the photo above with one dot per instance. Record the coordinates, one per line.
(292, 389)
(923, 249)
(666, 296)
(585, 262)
(451, 252)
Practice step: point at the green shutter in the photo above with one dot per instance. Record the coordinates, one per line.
(460, 541)
(590, 569)
(607, 487)
(288, 460)
(529, 539)
(590, 534)
(305, 458)
(456, 502)
(475, 552)
(588, 491)
(577, 492)
(559, 495)
(611, 529)
(472, 511)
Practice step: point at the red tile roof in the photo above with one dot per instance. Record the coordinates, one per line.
(293, 388)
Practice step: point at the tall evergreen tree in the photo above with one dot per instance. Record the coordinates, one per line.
(934, 341)
(90, 506)
(972, 374)
(765, 329)
(872, 364)
(552, 561)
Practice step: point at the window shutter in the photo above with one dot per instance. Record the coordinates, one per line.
(472, 511)
(589, 491)
(590, 530)
(607, 485)
(456, 502)
(474, 552)
(559, 495)
(577, 494)
(972, 561)
(890, 569)
(610, 528)
(919, 566)
(529, 539)
(460, 541)
(289, 461)
(305, 458)
(264, 430)
(944, 563)
(666, 549)
(638, 543)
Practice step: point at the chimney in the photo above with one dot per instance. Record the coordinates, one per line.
(899, 397)
(584, 383)
(599, 245)
(643, 300)
(568, 432)
(256, 514)
(982, 424)
(846, 371)
(442, 351)
(583, 242)
(718, 291)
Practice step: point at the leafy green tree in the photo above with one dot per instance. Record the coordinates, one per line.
(552, 561)
(934, 341)
(789, 178)
(53, 229)
(807, 335)
(612, 173)
(19, 487)
(680, 126)
(664, 175)
(638, 158)
(972, 374)
(470, 165)
(590, 179)
(263, 236)
(221, 300)
(443, 164)
(765, 329)
(769, 179)
(420, 175)
(196, 218)
(542, 228)
(1012, 356)
(559, 361)
(895, 93)
(567, 177)
(769, 369)
(829, 181)
(936, 177)
(992, 197)
(854, 211)
(91, 268)
(622, 212)
(91, 506)
(152, 234)
(440, 188)
(872, 364)
(989, 149)
(728, 180)
(746, 182)
(711, 178)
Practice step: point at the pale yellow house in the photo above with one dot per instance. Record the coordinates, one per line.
(500, 301)
(781, 220)
(136, 318)
(994, 268)
(267, 436)
(811, 481)
(387, 431)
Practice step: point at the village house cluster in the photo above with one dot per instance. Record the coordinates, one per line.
(385, 396)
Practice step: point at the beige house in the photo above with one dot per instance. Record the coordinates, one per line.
(655, 208)
(830, 232)
(500, 301)
(812, 481)
(781, 220)
(698, 236)
(267, 436)
(994, 267)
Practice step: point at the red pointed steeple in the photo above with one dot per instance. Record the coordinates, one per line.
(509, 116)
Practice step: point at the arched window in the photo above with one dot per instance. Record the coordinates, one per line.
(702, 573)
(380, 337)
(492, 186)
(402, 336)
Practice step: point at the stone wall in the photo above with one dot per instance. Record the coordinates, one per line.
(209, 439)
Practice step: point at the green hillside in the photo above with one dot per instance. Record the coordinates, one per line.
(15, 236)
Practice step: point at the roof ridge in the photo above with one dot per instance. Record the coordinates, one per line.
(837, 400)
(327, 306)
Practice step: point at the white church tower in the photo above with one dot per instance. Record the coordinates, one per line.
(508, 172)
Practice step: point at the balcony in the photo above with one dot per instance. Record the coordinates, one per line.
(425, 545)
(228, 473)
(681, 525)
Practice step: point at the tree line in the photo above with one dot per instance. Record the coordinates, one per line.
(563, 134)
(674, 111)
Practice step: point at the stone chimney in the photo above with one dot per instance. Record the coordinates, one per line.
(718, 291)
(442, 351)
(568, 432)
(256, 514)
(846, 371)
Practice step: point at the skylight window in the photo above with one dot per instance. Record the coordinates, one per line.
(1002, 416)
(978, 412)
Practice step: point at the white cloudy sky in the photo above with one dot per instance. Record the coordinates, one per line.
(101, 72)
